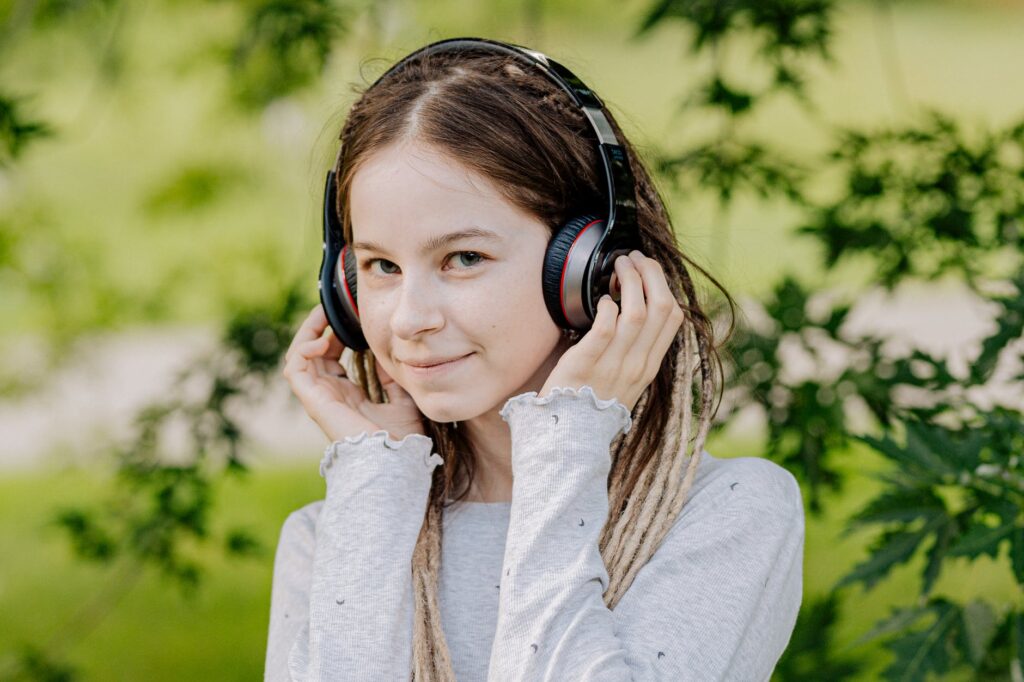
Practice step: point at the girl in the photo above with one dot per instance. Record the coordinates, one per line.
(505, 495)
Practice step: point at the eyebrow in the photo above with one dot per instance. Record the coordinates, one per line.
(435, 243)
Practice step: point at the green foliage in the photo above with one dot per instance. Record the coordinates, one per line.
(923, 201)
(981, 458)
(194, 187)
(49, 12)
(953, 635)
(789, 34)
(159, 508)
(36, 665)
(728, 167)
(284, 47)
(785, 30)
(17, 129)
(812, 652)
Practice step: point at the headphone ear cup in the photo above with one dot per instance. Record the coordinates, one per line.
(565, 263)
(345, 320)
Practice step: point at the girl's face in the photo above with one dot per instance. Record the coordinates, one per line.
(426, 294)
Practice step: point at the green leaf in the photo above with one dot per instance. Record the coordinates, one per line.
(898, 505)
(717, 93)
(981, 539)
(927, 445)
(1017, 557)
(954, 224)
(937, 552)
(906, 458)
(899, 620)
(930, 650)
(892, 548)
(16, 129)
(977, 629)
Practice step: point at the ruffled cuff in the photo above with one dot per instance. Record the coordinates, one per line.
(414, 447)
(571, 400)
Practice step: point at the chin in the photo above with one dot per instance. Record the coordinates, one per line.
(446, 407)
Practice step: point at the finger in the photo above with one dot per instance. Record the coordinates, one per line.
(305, 355)
(663, 342)
(632, 312)
(342, 387)
(311, 328)
(335, 347)
(394, 391)
(594, 343)
(301, 355)
(313, 349)
(662, 308)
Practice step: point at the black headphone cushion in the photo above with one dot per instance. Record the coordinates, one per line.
(555, 262)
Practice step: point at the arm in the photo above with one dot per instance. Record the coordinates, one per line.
(360, 593)
(717, 601)
(289, 597)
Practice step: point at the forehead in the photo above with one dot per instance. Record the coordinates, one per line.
(405, 195)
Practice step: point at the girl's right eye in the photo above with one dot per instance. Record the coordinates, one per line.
(369, 264)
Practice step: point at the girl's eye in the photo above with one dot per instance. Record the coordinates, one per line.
(476, 259)
(369, 264)
(470, 253)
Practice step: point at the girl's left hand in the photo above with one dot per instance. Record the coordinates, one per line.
(621, 354)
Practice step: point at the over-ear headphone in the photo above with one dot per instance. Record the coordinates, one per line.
(580, 256)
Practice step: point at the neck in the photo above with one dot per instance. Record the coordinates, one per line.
(491, 443)
(490, 439)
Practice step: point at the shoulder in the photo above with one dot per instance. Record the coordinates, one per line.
(751, 487)
(298, 532)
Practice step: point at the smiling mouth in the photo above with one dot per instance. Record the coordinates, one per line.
(438, 367)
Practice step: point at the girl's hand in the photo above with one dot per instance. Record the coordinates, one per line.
(620, 355)
(338, 406)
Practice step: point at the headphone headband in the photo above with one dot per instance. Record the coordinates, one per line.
(619, 182)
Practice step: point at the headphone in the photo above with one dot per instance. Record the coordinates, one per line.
(580, 256)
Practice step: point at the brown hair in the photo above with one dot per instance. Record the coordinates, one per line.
(511, 124)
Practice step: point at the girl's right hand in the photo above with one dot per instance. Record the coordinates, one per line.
(338, 406)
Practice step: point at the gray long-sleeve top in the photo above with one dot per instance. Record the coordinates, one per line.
(521, 582)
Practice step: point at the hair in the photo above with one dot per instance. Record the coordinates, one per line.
(520, 130)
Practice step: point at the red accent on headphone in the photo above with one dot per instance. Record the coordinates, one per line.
(568, 257)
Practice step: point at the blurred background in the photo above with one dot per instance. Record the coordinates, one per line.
(852, 172)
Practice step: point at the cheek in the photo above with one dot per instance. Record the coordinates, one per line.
(520, 327)
(373, 320)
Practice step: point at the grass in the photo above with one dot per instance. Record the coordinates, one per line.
(154, 632)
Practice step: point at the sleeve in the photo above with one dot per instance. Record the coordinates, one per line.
(360, 592)
(289, 596)
(717, 601)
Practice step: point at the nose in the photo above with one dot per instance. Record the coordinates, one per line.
(417, 309)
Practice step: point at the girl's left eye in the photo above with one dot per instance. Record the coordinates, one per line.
(469, 253)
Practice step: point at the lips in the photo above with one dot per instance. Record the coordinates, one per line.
(436, 371)
(433, 362)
